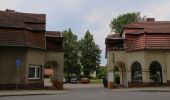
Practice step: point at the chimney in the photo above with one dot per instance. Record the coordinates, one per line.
(150, 19)
(9, 10)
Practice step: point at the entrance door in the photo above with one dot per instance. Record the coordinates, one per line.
(120, 74)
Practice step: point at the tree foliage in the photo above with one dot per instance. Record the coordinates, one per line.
(101, 71)
(124, 19)
(89, 54)
(71, 58)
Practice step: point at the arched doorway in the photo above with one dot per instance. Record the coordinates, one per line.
(120, 74)
(136, 72)
(155, 72)
(50, 72)
(116, 75)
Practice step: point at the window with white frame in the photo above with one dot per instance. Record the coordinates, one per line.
(34, 72)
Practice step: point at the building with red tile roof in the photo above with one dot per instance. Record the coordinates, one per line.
(140, 55)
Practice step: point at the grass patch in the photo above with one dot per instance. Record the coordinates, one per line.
(95, 81)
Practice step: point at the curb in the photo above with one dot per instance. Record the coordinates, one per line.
(29, 94)
(140, 90)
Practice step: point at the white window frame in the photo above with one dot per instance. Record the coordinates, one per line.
(36, 69)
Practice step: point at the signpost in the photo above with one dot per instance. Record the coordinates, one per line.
(18, 65)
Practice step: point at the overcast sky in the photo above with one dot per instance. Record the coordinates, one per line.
(93, 15)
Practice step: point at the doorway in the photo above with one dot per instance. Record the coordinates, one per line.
(120, 74)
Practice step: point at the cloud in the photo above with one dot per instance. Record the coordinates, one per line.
(99, 20)
(42, 5)
(7, 4)
(81, 15)
(158, 10)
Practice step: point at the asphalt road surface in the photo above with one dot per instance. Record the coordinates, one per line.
(94, 92)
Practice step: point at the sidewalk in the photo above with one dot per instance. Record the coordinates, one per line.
(54, 92)
(147, 89)
(29, 92)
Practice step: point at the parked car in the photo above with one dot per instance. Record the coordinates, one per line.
(84, 81)
(73, 80)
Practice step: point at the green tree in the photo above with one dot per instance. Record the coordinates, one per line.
(101, 71)
(71, 58)
(124, 19)
(89, 54)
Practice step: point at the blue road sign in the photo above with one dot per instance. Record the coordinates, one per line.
(18, 63)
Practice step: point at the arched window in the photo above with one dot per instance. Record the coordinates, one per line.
(136, 72)
(155, 72)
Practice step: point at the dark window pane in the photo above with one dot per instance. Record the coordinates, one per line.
(155, 71)
(38, 73)
(136, 72)
(31, 72)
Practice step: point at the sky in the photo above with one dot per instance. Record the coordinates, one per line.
(92, 15)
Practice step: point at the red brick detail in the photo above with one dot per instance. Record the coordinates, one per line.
(168, 82)
(22, 86)
(133, 85)
(110, 85)
(58, 85)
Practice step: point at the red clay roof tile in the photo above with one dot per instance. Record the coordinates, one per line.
(53, 34)
(150, 26)
(22, 29)
(22, 20)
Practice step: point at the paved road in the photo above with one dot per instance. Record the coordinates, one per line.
(94, 92)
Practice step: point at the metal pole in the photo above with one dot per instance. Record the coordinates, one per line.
(16, 86)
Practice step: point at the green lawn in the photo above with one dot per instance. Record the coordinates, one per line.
(95, 81)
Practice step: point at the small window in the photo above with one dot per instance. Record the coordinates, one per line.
(34, 72)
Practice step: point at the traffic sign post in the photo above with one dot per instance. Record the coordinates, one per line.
(18, 65)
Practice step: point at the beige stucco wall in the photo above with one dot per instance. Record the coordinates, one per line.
(168, 65)
(118, 56)
(159, 56)
(59, 57)
(132, 57)
(8, 71)
(35, 57)
(145, 58)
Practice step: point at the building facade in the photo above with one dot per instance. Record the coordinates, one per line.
(54, 57)
(24, 50)
(139, 56)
